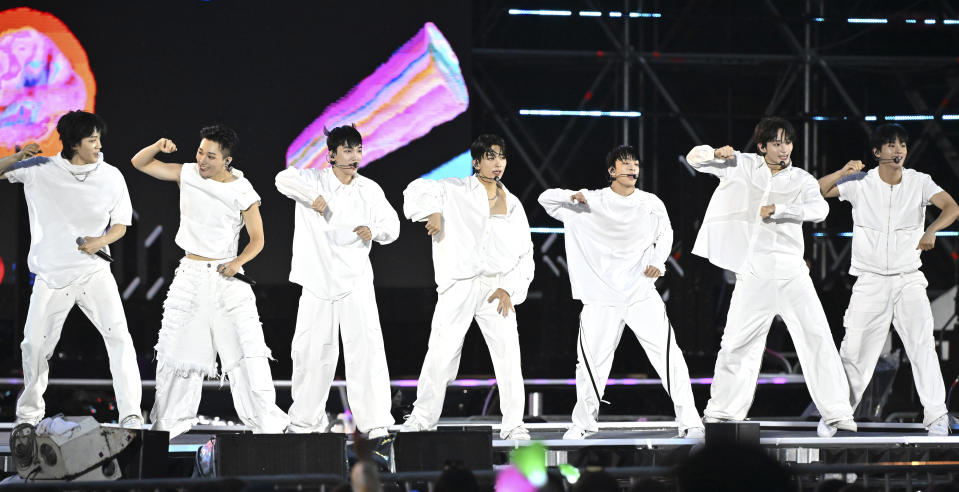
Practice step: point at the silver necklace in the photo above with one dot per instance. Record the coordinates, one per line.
(81, 177)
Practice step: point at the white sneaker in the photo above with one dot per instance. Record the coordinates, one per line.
(829, 430)
(132, 422)
(576, 433)
(414, 424)
(377, 433)
(694, 433)
(939, 427)
(517, 434)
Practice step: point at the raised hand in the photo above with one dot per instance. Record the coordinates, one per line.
(724, 153)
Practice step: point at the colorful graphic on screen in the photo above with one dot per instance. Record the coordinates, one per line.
(44, 73)
(420, 87)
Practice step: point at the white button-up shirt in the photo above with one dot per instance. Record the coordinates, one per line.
(888, 220)
(733, 235)
(610, 241)
(471, 243)
(329, 259)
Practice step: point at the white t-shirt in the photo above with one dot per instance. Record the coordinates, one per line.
(734, 236)
(210, 212)
(464, 247)
(888, 220)
(329, 259)
(610, 241)
(62, 208)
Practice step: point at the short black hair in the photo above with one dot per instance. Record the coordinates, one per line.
(620, 153)
(346, 135)
(767, 130)
(223, 135)
(888, 133)
(75, 126)
(484, 144)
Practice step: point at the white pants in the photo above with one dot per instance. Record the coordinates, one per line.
(600, 330)
(99, 299)
(204, 315)
(455, 309)
(753, 305)
(316, 348)
(877, 301)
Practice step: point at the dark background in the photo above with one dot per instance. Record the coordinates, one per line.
(268, 69)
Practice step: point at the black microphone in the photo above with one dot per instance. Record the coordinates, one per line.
(103, 256)
(783, 164)
(498, 183)
(634, 176)
(242, 278)
(346, 166)
(896, 159)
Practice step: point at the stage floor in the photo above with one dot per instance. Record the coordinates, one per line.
(636, 434)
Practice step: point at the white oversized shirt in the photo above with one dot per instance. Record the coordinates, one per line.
(888, 220)
(610, 241)
(733, 235)
(471, 243)
(210, 212)
(329, 259)
(63, 208)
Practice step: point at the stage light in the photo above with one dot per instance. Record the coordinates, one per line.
(420, 87)
(950, 116)
(592, 114)
(858, 20)
(950, 21)
(547, 230)
(929, 21)
(819, 19)
(653, 15)
(45, 74)
(615, 14)
(870, 117)
(910, 21)
(849, 234)
(909, 117)
(539, 12)
(590, 13)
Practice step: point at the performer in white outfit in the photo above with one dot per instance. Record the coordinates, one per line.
(483, 264)
(753, 227)
(207, 311)
(74, 197)
(338, 215)
(617, 243)
(889, 215)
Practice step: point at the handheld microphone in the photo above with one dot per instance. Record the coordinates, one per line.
(896, 159)
(346, 166)
(239, 276)
(243, 278)
(498, 183)
(103, 256)
(631, 175)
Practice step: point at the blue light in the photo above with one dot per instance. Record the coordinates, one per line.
(615, 14)
(871, 117)
(539, 12)
(819, 19)
(909, 117)
(819, 118)
(547, 230)
(929, 21)
(950, 116)
(910, 21)
(460, 166)
(590, 13)
(655, 15)
(593, 114)
(950, 21)
(855, 20)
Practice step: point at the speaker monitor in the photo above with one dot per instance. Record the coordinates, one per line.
(426, 451)
(279, 454)
(741, 433)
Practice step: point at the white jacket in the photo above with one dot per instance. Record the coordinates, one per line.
(734, 237)
(888, 220)
(471, 243)
(329, 259)
(610, 241)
